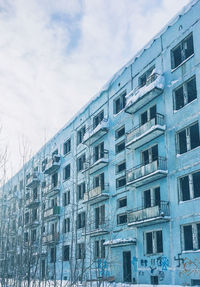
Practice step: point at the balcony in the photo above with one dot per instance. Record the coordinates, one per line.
(150, 215)
(93, 134)
(32, 202)
(143, 174)
(33, 180)
(96, 195)
(34, 222)
(145, 133)
(141, 96)
(97, 229)
(52, 212)
(51, 238)
(52, 165)
(51, 189)
(98, 161)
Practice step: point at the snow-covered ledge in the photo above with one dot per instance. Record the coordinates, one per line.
(103, 125)
(120, 241)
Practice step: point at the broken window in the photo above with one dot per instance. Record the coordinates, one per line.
(80, 162)
(154, 242)
(81, 220)
(151, 197)
(143, 80)
(185, 93)
(121, 167)
(119, 103)
(120, 147)
(67, 147)
(120, 132)
(122, 202)
(66, 172)
(98, 151)
(99, 181)
(66, 198)
(97, 119)
(188, 138)
(53, 254)
(80, 135)
(99, 249)
(182, 51)
(99, 216)
(120, 182)
(81, 250)
(122, 218)
(189, 186)
(66, 253)
(66, 225)
(81, 190)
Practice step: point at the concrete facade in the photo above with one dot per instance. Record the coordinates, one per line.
(120, 183)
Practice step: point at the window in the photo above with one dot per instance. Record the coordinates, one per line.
(191, 236)
(120, 147)
(33, 235)
(188, 138)
(122, 202)
(150, 155)
(53, 255)
(80, 135)
(80, 162)
(121, 167)
(44, 162)
(81, 220)
(81, 190)
(66, 225)
(185, 94)
(154, 242)
(182, 51)
(21, 184)
(148, 115)
(120, 182)
(66, 172)
(54, 202)
(26, 217)
(98, 151)
(35, 193)
(189, 186)
(67, 146)
(144, 78)
(26, 236)
(34, 214)
(99, 181)
(99, 216)
(54, 180)
(120, 132)
(151, 197)
(81, 250)
(66, 253)
(119, 103)
(97, 119)
(66, 198)
(122, 218)
(99, 249)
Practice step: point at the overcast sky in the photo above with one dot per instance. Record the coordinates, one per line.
(56, 54)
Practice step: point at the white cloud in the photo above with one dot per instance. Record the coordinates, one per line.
(55, 55)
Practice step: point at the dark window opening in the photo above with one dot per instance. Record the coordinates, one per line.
(122, 202)
(149, 243)
(185, 189)
(188, 241)
(120, 147)
(196, 184)
(120, 182)
(119, 133)
(121, 218)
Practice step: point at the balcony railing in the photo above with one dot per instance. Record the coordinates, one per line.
(92, 134)
(97, 229)
(52, 165)
(96, 194)
(33, 180)
(142, 95)
(51, 238)
(97, 161)
(144, 216)
(146, 132)
(32, 202)
(54, 211)
(51, 189)
(145, 173)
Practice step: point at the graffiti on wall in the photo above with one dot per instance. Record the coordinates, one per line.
(103, 268)
(190, 267)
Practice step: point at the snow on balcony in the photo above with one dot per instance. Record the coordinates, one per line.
(120, 242)
(93, 134)
(139, 97)
(95, 195)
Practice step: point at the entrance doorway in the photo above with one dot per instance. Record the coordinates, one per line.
(127, 266)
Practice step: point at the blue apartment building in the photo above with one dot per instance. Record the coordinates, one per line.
(115, 194)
